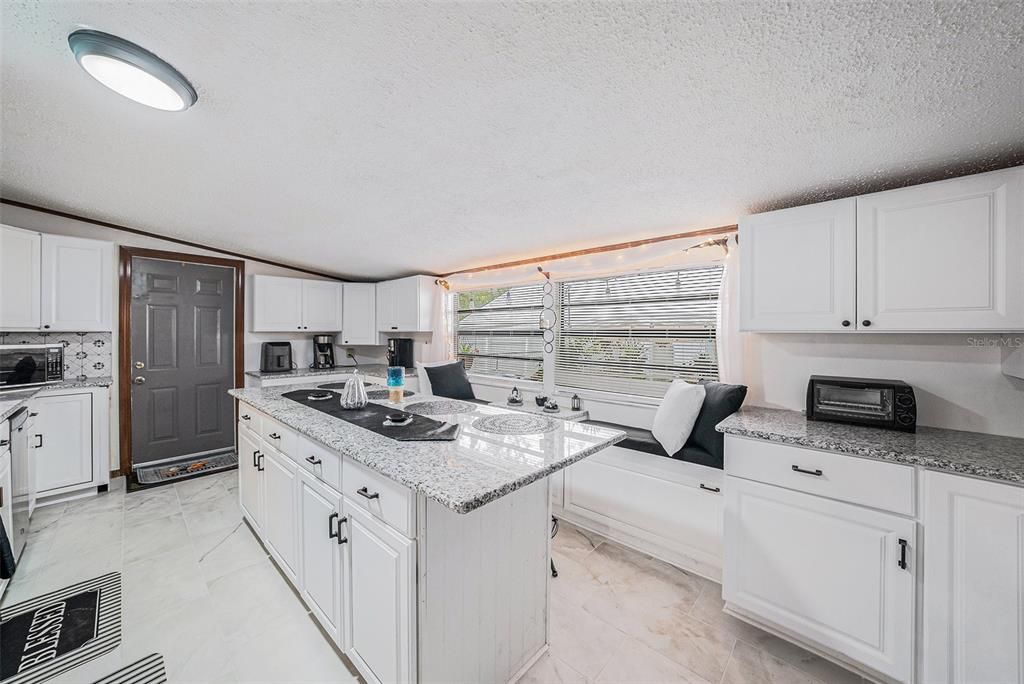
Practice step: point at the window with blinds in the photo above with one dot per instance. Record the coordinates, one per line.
(635, 334)
(497, 331)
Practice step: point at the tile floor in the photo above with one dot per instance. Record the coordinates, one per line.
(200, 589)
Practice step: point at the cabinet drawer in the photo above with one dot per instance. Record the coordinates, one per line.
(277, 435)
(886, 486)
(317, 460)
(391, 502)
(250, 419)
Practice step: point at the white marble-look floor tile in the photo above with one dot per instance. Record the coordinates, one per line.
(222, 552)
(152, 585)
(154, 537)
(552, 670)
(749, 665)
(199, 489)
(213, 515)
(635, 663)
(150, 504)
(583, 641)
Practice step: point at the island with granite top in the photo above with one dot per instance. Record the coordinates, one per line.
(421, 560)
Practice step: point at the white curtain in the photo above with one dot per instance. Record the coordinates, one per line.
(439, 346)
(730, 342)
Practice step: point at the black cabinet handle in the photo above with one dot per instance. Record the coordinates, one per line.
(313, 460)
(846, 324)
(4, 442)
(274, 435)
(903, 555)
(259, 464)
(246, 417)
(866, 323)
(40, 443)
(1, 497)
(710, 489)
(366, 494)
(255, 461)
(798, 469)
(331, 532)
(394, 327)
(341, 540)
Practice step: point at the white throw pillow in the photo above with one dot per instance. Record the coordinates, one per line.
(676, 415)
(425, 387)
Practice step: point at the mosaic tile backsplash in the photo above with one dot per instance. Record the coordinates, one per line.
(86, 354)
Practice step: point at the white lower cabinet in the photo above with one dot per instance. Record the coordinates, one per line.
(63, 441)
(280, 496)
(250, 491)
(974, 581)
(838, 575)
(382, 572)
(320, 543)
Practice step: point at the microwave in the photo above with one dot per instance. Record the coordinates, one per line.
(888, 404)
(29, 365)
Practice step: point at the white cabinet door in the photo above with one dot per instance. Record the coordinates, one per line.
(77, 284)
(62, 437)
(943, 256)
(320, 545)
(406, 297)
(799, 269)
(321, 305)
(830, 572)
(20, 279)
(359, 314)
(276, 304)
(280, 509)
(974, 583)
(386, 307)
(380, 597)
(250, 495)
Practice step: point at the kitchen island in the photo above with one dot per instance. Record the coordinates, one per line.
(422, 561)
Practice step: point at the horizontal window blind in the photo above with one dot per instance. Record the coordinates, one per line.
(635, 334)
(497, 331)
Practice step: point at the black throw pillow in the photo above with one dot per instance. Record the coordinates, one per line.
(450, 380)
(720, 402)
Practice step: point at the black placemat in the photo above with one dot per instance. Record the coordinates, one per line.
(371, 417)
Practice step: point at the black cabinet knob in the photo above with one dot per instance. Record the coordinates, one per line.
(866, 323)
(846, 324)
(46, 326)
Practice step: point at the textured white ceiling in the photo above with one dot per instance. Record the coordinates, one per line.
(376, 139)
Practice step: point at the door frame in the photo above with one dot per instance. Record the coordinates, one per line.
(124, 332)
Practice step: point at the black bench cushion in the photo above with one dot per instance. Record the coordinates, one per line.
(705, 446)
(450, 380)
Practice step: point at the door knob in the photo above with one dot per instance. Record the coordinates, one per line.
(139, 380)
(139, 364)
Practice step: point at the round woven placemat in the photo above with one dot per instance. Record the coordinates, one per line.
(520, 424)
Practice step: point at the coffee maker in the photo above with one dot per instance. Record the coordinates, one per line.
(400, 352)
(323, 351)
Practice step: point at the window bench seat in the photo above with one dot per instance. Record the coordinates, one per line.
(639, 439)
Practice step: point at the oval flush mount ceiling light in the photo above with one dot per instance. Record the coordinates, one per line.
(132, 71)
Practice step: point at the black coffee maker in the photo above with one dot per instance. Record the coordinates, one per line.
(400, 352)
(323, 351)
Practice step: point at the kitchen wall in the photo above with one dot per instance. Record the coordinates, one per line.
(302, 344)
(86, 354)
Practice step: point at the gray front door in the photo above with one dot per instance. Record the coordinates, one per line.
(182, 323)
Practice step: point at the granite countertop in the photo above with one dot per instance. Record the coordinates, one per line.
(372, 369)
(462, 475)
(968, 453)
(13, 400)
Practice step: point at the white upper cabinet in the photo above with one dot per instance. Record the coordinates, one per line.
(405, 305)
(54, 282)
(359, 314)
(77, 284)
(939, 257)
(321, 305)
(943, 256)
(20, 279)
(974, 585)
(290, 304)
(798, 268)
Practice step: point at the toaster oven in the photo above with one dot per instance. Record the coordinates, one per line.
(888, 404)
